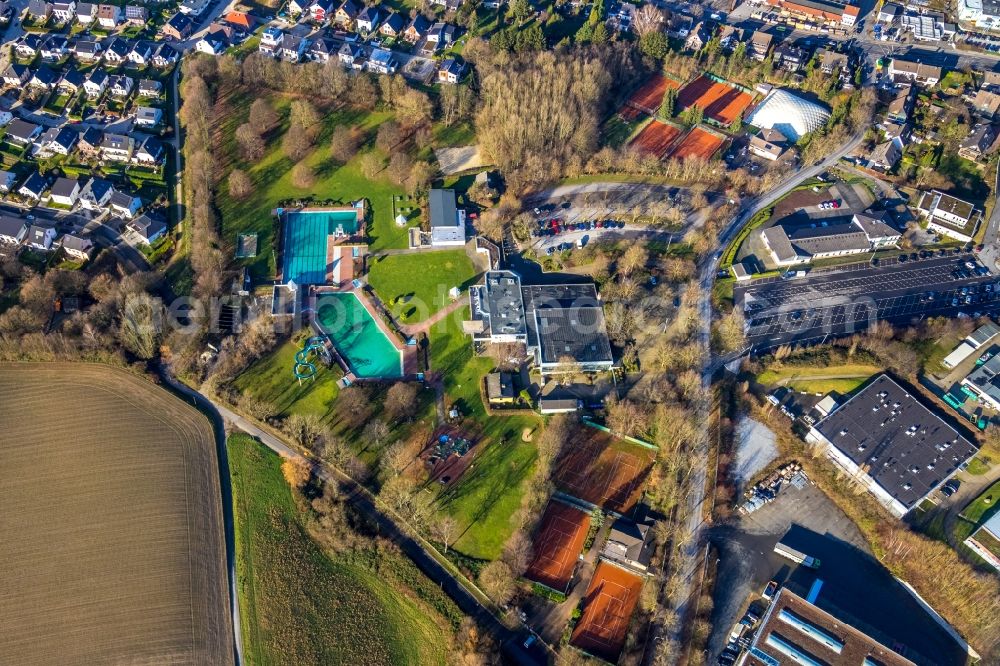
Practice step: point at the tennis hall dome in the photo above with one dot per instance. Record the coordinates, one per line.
(789, 114)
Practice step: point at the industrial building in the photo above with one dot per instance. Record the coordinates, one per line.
(819, 239)
(892, 444)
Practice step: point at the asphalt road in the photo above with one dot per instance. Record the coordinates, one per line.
(843, 302)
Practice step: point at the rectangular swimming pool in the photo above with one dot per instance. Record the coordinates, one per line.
(358, 337)
(305, 240)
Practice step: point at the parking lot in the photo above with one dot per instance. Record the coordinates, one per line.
(849, 299)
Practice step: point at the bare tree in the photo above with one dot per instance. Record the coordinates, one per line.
(401, 401)
(296, 471)
(371, 165)
(344, 143)
(389, 136)
(446, 530)
(240, 185)
(497, 580)
(139, 331)
(262, 116)
(647, 19)
(249, 141)
(302, 176)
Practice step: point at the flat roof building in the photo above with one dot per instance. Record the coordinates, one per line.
(447, 220)
(948, 215)
(984, 382)
(894, 445)
(819, 239)
(986, 541)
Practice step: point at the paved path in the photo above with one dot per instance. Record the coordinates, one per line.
(413, 330)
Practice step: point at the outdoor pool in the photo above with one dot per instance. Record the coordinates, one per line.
(357, 337)
(305, 242)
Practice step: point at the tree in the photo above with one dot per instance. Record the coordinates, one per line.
(376, 431)
(399, 167)
(497, 580)
(445, 529)
(389, 136)
(297, 472)
(668, 103)
(730, 331)
(304, 115)
(531, 38)
(296, 143)
(654, 44)
(354, 405)
(140, 331)
(344, 143)
(421, 175)
(371, 165)
(401, 401)
(647, 19)
(304, 429)
(250, 143)
(521, 10)
(635, 257)
(240, 185)
(302, 176)
(413, 107)
(262, 116)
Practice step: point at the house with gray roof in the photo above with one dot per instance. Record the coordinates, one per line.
(12, 230)
(790, 244)
(447, 220)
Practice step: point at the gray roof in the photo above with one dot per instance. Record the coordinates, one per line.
(499, 385)
(903, 446)
(502, 305)
(627, 539)
(64, 187)
(566, 320)
(11, 226)
(443, 207)
(22, 129)
(983, 334)
(75, 242)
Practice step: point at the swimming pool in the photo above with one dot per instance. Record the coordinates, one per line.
(357, 337)
(306, 233)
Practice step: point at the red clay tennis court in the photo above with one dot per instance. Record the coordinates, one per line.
(607, 610)
(557, 545)
(646, 99)
(698, 143)
(655, 138)
(604, 470)
(720, 102)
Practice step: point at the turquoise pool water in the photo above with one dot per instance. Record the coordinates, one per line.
(304, 248)
(357, 337)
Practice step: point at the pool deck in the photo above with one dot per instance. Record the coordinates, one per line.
(339, 264)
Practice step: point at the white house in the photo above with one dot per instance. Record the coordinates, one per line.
(65, 191)
(948, 215)
(447, 220)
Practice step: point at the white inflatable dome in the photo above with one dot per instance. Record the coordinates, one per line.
(789, 114)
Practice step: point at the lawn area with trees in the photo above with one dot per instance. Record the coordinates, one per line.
(415, 286)
(345, 601)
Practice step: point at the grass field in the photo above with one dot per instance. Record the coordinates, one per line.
(420, 281)
(487, 495)
(840, 378)
(113, 547)
(979, 509)
(300, 606)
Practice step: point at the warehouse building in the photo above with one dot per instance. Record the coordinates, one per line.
(892, 444)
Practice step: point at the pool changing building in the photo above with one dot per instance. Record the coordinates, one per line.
(561, 326)
(892, 444)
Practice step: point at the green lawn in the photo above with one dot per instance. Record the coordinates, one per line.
(271, 379)
(979, 509)
(416, 285)
(300, 606)
(488, 494)
(810, 380)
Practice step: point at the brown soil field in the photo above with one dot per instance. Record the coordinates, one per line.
(720, 102)
(604, 470)
(113, 548)
(557, 545)
(698, 142)
(656, 138)
(646, 99)
(607, 611)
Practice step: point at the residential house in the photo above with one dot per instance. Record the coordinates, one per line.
(39, 10)
(27, 47)
(117, 51)
(22, 132)
(150, 227)
(901, 105)
(12, 230)
(991, 80)
(77, 246)
(179, 27)
(241, 21)
(447, 220)
(321, 11)
(164, 56)
(889, 12)
(90, 142)
(760, 45)
(986, 103)
(96, 194)
(382, 61)
(150, 88)
(351, 54)
(292, 47)
(914, 71)
(215, 42)
(121, 85)
(43, 78)
(86, 13)
(417, 29)
(790, 58)
(65, 191)
(5, 117)
(393, 25)
(88, 50)
(699, 36)
(96, 84)
(34, 187)
(124, 204)
(948, 215)
(54, 48)
(500, 388)
(71, 82)
(297, 7)
(136, 15)
(769, 144)
(109, 16)
(346, 14)
(194, 8)
(150, 152)
(40, 238)
(979, 143)
(322, 49)
(450, 71)
(270, 40)
(64, 12)
(832, 63)
(7, 180)
(59, 140)
(141, 53)
(117, 147)
(885, 156)
(439, 36)
(16, 75)
(148, 116)
(368, 19)
(449, 5)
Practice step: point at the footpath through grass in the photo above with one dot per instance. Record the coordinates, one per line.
(416, 285)
(484, 500)
(300, 606)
